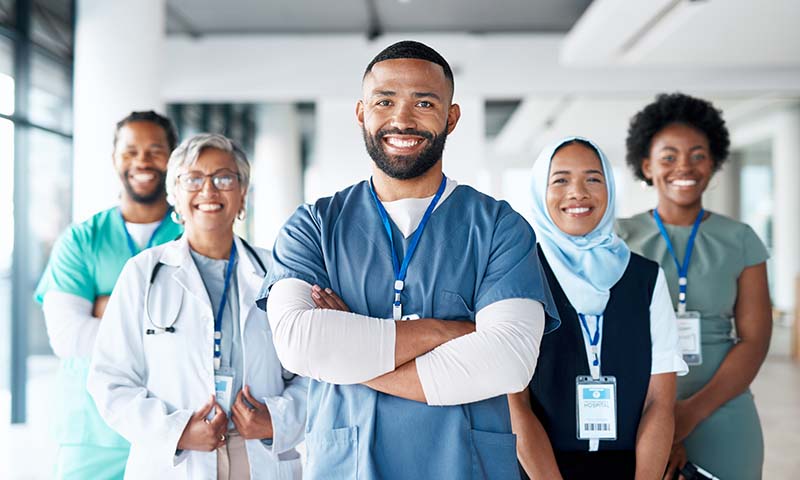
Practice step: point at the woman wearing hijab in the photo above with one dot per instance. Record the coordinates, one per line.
(601, 400)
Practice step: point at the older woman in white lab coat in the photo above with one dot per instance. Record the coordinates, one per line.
(184, 366)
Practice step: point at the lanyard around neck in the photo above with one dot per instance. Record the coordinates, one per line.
(131, 244)
(221, 310)
(594, 342)
(401, 266)
(683, 269)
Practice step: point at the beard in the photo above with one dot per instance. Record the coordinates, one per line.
(404, 167)
(147, 198)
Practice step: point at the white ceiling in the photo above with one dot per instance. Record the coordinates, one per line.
(203, 17)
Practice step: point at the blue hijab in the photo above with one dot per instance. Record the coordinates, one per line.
(586, 266)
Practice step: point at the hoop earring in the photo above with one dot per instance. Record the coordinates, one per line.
(242, 214)
(176, 217)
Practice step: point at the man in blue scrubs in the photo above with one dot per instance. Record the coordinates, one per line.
(447, 295)
(82, 271)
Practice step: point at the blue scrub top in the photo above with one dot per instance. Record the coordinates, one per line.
(474, 251)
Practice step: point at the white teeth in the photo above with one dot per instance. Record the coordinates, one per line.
(684, 183)
(209, 207)
(576, 211)
(400, 143)
(143, 177)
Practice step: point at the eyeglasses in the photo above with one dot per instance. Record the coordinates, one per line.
(222, 180)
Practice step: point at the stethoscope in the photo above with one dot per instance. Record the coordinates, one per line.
(157, 329)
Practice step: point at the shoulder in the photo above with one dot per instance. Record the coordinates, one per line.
(81, 235)
(642, 271)
(627, 228)
(478, 205)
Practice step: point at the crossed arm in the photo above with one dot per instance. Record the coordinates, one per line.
(429, 360)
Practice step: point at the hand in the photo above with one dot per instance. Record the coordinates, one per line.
(686, 420)
(451, 329)
(327, 299)
(99, 307)
(677, 459)
(203, 434)
(253, 422)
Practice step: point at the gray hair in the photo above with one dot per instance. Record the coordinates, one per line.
(190, 149)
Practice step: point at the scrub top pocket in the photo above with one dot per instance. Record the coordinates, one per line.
(452, 306)
(340, 453)
(494, 455)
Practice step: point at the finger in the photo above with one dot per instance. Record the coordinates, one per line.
(337, 300)
(670, 469)
(220, 419)
(255, 403)
(203, 411)
(323, 300)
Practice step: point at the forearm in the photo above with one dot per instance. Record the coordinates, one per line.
(654, 440)
(534, 450)
(497, 359)
(71, 328)
(403, 382)
(732, 378)
(328, 345)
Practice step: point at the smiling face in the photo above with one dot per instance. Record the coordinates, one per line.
(140, 158)
(209, 210)
(406, 115)
(577, 196)
(680, 165)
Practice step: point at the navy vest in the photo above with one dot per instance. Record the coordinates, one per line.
(626, 354)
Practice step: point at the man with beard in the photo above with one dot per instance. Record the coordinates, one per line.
(82, 271)
(447, 295)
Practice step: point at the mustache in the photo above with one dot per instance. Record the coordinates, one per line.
(408, 131)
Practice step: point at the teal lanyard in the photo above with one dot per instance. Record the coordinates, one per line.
(221, 310)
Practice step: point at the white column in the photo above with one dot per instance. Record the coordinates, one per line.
(276, 180)
(722, 194)
(118, 62)
(786, 222)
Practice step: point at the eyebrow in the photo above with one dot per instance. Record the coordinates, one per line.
(383, 93)
(426, 94)
(567, 172)
(696, 147)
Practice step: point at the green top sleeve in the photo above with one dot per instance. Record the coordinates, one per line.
(67, 270)
(754, 250)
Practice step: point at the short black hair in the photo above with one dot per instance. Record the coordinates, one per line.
(670, 108)
(412, 49)
(153, 117)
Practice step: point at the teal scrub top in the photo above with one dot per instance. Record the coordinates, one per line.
(86, 261)
(474, 251)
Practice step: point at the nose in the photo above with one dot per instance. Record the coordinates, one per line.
(403, 117)
(208, 186)
(578, 191)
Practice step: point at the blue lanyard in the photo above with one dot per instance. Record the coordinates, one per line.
(401, 268)
(131, 243)
(594, 340)
(683, 270)
(218, 317)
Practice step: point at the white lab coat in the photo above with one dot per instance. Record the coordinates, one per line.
(146, 387)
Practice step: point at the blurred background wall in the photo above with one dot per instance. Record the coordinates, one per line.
(282, 78)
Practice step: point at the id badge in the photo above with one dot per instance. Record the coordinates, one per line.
(597, 407)
(223, 388)
(689, 336)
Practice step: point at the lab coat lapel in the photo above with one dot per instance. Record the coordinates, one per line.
(177, 254)
(249, 277)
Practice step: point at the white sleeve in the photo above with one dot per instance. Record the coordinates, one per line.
(664, 331)
(118, 372)
(497, 359)
(328, 345)
(70, 325)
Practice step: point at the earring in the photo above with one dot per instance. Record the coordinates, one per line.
(242, 214)
(176, 217)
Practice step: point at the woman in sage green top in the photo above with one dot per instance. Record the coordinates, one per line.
(676, 144)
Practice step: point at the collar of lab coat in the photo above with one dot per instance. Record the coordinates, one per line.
(248, 273)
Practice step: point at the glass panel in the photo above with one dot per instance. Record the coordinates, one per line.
(6, 249)
(6, 79)
(49, 210)
(51, 26)
(51, 94)
(7, 13)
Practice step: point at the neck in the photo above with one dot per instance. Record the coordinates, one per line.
(212, 244)
(390, 189)
(673, 214)
(136, 212)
